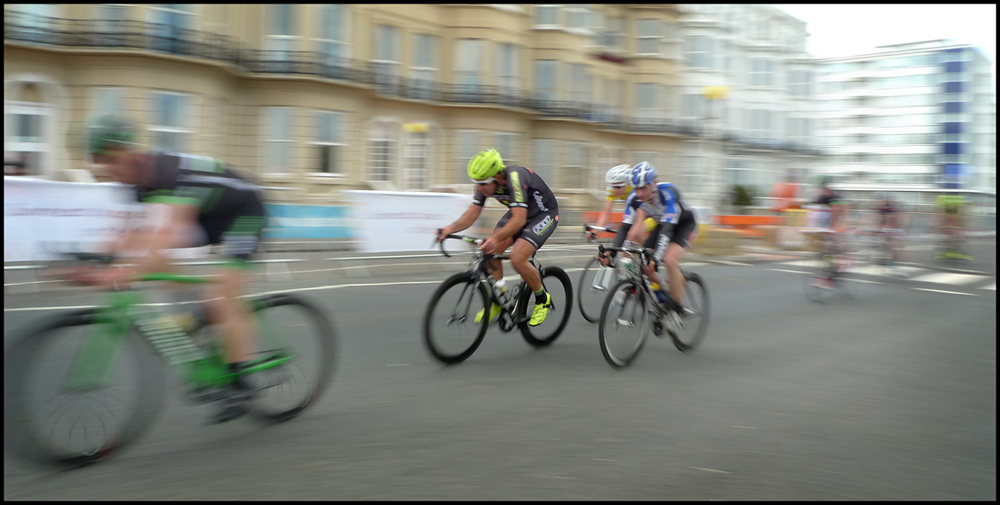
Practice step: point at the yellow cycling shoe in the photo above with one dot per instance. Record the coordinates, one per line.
(494, 312)
(541, 310)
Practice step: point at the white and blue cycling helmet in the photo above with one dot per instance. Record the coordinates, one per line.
(642, 174)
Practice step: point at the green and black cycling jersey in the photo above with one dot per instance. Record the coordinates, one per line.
(229, 208)
(524, 189)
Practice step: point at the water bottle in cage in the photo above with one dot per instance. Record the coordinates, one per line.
(500, 291)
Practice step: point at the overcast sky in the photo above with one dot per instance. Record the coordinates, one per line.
(844, 30)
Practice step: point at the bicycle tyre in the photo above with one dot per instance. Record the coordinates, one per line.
(594, 315)
(700, 307)
(614, 358)
(821, 264)
(467, 278)
(529, 332)
(20, 363)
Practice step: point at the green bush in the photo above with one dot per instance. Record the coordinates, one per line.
(742, 196)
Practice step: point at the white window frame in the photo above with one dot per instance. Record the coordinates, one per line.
(106, 24)
(579, 18)
(575, 169)
(580, 82)
(417, 178)
(155, 10)
(759, 76)
(506, 144)
(46, 141)
(271, 138)
(543, 93)
(382, 132)
(646, 112)
(698, 48)
(543, 159)
(423, 77)
(558, 14)
(323, 42)
(185, 130)
(656, 37)
(338, 132)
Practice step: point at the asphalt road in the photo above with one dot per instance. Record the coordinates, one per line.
(888, 393)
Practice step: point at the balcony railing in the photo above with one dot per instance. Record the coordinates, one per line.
(383, 78)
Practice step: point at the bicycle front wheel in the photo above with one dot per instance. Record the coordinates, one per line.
(695, 322)
(556, 282)
(451, 333)
(290, 326)
(624, 324)
(823, 266)
(76, 391)
(590, 292)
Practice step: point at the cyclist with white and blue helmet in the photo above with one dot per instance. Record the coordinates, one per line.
(675, 230)
(618, 189)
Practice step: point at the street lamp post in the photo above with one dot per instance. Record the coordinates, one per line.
(711, 94)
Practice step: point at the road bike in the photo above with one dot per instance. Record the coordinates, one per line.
(595, 281)
(631, 309)
(828, 266)
(102, 368)
(458, 300)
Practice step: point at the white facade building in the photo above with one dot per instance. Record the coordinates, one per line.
(909, 117)
(763, 130)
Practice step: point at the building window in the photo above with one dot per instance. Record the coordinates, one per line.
(576, 170)
(694, 106)
(329, 144)
(579, 16)
(545, 81)
(386, 60)
(547, 15)
(506, 145)
(466, 146)
(111, 24)
(616, 28)
(542, 157)
(761, 123)
(468, 60)
(169, 27)
(382, 141)
(645, 102)
(507, 70)
(579, 84)
(699, 52)
(334, 46)
(425, 66)
(800, 83)
(691, 174)
(278, 138)
(761, 71)
(26, 130)
(599, 33)
(648, 37)
(415, 158)
(170, 123)
(108, 101)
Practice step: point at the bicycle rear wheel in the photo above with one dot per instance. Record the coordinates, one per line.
(74, 392)
(817, 287)
(624, 324)
(290, 326)
(557, 283)
(590, 295)
(693, 325)
(450, 333)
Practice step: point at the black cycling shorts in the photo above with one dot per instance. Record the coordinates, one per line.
(239, 233)
(683, 233)
(537, 230)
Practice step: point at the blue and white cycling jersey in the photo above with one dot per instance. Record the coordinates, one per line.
(666, 205)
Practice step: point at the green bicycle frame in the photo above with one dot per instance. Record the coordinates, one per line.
(201, 368)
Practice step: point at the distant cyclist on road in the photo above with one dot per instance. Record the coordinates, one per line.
(531, 219)
(951, 221)
(829, 213)
(195, 191)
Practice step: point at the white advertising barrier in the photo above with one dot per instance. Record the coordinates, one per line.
(40, 214)
(388, 221)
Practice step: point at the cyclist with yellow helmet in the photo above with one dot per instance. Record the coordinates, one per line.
(950, 222)
(618, 189)
(531, 219)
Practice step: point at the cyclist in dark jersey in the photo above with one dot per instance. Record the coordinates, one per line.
(531, 219)
(195, 190)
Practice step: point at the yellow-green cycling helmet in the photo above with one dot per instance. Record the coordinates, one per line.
(485, 165)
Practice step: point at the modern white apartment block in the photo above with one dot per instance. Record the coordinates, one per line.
(763, 131)
(911, 116)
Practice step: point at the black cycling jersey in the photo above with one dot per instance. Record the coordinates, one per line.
(831, 199)
(525, 189)
(229, 208)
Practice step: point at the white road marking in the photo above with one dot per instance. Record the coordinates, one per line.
(946, 292)
(991, 286)
(726, 262)
(789, 271)
(802, 263)
(708, 469)
(948, 278)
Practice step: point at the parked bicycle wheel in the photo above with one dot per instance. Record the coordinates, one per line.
(590, 295)
(74, 392)
(450, 331)
(560, 288)
(696, 322)
(291, 326)
(624, 323)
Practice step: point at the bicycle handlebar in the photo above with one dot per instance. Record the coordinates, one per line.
(465, 238)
